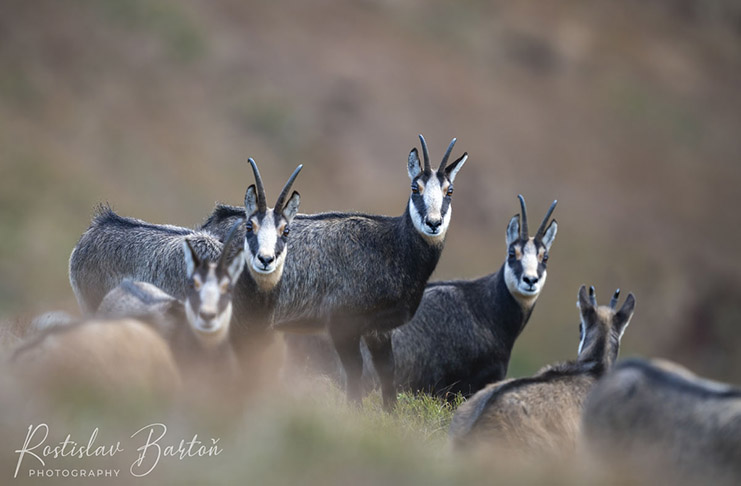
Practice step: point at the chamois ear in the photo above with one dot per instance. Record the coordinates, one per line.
(550, 235)
(250, 201)
(236, 265)
(413, 165)
(583, 302)
(623, 316)
(191, 258)
(513, 229)
(452, 169)
(291, 208)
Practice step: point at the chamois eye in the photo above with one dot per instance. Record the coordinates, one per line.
(224, 287)
(545, 258)
(415, 188)
(197, 284)
(511, 252)
(248, 226)
(286, 231)
(450, 191)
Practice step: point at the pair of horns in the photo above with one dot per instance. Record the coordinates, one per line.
(541, 230)
(613, 301)
(262, 204)
(426, 155)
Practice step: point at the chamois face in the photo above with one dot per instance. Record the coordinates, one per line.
(266, 230)
(266, 237)
(208, 301)
(432, 191)
(602, 327)
(527, 256)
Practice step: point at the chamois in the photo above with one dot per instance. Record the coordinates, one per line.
(542, 412)
(657, 418)
(461, 337)
(117, 357)
(359, 275)
(115, 248)
(198, 328)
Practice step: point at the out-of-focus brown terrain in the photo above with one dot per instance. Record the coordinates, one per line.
(628, 113)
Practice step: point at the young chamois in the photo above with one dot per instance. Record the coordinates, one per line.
(658, 419)
(461, 337)
(115, 248)
(359, 275)
(121, 358)
(197, 329)
(542, 412)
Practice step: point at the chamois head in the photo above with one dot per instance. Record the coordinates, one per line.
(602, 327)
(208, 300)
(525, 269)
(429, 204)
(267, 229)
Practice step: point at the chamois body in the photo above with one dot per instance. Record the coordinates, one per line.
(115, 248)
(359, 275)
(462, 334)
(121, 357)
(542, 412)
(654, 417)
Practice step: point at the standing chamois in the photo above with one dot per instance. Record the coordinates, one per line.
(659, 419)
(115, 248)
(542, 412)
(359, 275)
(198, 328)
(461, 337)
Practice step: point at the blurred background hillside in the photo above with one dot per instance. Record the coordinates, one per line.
(628, 113)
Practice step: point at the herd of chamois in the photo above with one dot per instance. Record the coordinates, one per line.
(349, 294)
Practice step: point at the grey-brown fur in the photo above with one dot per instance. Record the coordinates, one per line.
(115, 248)
(542, 412)
(658, 418)
(357, 275)
(462, 334)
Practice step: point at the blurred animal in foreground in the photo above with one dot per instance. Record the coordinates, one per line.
(198, 328)
(658, 419)
(542, 413)
(123, 358)
(461, 337)
(360, 276)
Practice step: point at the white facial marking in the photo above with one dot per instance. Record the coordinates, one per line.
(267, 277)
(433, 201)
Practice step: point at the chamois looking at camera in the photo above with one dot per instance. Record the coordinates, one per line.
(197, 328)
(115, 248)
(542, 413)
(359, 275)
(658, 419)
(461, 337)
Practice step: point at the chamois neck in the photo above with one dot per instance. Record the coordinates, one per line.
(502, 310)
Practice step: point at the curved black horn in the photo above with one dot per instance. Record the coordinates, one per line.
(227, 242)
(614, 300)
(523, 226)
(445, 157)
(262, 204)
(282, 197)
(425, 153)
(541, 229)
(592, 297)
